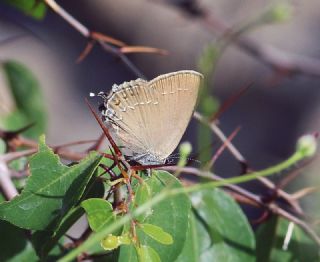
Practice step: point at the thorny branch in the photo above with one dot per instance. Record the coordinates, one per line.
(109, 44)
(235, 152)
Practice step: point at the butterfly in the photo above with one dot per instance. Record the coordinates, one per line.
(148, 118)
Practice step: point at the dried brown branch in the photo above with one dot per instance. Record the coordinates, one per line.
(107, 39)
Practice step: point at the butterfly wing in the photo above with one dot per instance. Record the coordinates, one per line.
(124, 117)
(176, 94)
(149, 118)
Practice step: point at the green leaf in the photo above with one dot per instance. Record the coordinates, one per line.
(99, 213)
(143, 194)
(30, 106)
(190, 252)
(157, 233)
(223, 230)
(147, 254)
(44, 241)
(170, 215)
(51, 190)
(34, 8)
(272, 246)
(14, 245)
(2, 199)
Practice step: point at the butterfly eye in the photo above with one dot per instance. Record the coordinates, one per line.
(102, 107)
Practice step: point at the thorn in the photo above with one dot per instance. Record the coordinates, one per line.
(86, 51)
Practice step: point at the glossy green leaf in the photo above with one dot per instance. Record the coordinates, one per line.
(34, 8)
(14, 244)
(51, 190)
(147, 254)
(281, 240)
(191, 249)
(30, 106)
(99, 213)
(170, 215)
(157, 233)
(223, 230)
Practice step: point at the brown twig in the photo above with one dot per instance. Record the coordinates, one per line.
(33, 148)
(222, 148)
(6, 184)
(142, 49)
(305, 191)
(97, 144)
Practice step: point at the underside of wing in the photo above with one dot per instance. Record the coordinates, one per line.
(177, 95)
(151, 117)
(127, 119)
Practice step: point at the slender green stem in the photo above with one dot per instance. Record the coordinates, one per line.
(297, 156)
